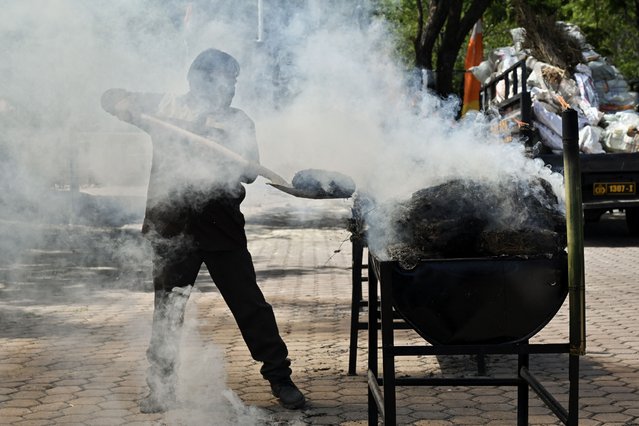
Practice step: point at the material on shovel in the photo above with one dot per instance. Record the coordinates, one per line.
(324, 183)
(315, 184)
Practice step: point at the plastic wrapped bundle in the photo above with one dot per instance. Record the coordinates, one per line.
(324, 183)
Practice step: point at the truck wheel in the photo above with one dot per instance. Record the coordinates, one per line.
(632, 220)
(593, 215)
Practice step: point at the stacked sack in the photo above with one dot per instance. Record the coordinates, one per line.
(608, 121)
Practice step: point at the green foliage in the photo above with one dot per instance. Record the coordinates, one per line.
(402, 16)
(497, 23)
(610, 26)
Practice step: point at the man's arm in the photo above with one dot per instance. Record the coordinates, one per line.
(129, 106)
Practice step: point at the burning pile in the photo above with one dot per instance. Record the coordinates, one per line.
(468, 218)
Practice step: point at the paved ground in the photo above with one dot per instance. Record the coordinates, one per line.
(75, 318)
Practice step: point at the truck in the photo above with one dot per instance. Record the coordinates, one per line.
(608, 181)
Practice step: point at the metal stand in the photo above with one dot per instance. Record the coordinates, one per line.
(381, 389)
(384, 403)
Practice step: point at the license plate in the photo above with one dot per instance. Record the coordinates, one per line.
(614, 188)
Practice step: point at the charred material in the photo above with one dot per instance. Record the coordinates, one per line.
(463, 218)
(324, 183)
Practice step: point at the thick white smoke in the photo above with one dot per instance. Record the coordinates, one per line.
(321, 83)
(356, 111)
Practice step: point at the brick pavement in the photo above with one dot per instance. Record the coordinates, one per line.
(75, 327)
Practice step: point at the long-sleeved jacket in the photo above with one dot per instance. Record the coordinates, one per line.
(192, 192)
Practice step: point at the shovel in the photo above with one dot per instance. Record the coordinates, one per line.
(277, 181)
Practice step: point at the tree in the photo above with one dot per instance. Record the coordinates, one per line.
(449, 22)
(431, 33)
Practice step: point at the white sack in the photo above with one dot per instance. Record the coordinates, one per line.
(615, 137)
(549, 138)
(589, 138)
(546, 117)
(587, 89)
(483, 71)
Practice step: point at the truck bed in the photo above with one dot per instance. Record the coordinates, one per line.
(597, 163)
(608, 181)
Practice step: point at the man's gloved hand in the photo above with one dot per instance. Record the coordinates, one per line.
(118, 103)
(248, 176)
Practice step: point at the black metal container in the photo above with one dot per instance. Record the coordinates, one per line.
(480, 300)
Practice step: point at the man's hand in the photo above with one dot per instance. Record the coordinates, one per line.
(118, 102)
(248, 176)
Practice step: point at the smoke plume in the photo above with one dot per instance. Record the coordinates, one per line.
(319, 78)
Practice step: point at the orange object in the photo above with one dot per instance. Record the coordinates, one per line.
(474, 56)
(565, 105)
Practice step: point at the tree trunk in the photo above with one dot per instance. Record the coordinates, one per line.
(448, 50)
(445, 15)
(428, 33)
(457, 27)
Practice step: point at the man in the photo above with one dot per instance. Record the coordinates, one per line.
(193, 216)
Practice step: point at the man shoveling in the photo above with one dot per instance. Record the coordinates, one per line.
(193, 216)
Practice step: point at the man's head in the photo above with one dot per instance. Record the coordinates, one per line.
(212, 77)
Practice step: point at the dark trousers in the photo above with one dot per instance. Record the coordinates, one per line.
(233, 273)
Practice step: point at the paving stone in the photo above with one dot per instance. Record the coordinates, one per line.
(91, 393)
(7, 391)
(33, 423)
(106, 421)
(69, 390)
(606, 408)
(13, 411)
(81, 409)
(608, 418)
(28, 395)
(464, 420)
(632, 410)
(33, 387)
(25, 403)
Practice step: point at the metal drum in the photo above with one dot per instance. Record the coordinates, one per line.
(480, 300)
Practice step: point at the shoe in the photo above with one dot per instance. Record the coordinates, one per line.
(152, 404)
(288, 394)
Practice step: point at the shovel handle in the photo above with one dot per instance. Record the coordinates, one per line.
(220, 149)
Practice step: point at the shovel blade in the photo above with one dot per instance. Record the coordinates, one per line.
(305, 193)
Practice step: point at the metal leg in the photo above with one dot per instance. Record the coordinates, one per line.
(372, 344)
(573, 395)
(522, 391)
(481, 364)
(388, 344)
(356, 299)
(372, 409)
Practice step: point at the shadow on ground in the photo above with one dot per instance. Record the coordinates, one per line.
(610, 231)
